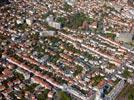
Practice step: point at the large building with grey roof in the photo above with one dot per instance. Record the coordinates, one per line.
(125, 37)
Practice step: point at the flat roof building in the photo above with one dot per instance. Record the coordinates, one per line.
(125, 37)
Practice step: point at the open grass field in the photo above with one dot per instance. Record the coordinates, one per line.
(127, 93)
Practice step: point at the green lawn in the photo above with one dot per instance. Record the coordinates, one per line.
(127, 93)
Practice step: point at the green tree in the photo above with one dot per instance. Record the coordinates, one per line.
(131, 96)
(67, 7)
(63, 96)
(43, 95)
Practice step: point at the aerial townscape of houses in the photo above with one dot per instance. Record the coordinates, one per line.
(66, 49)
